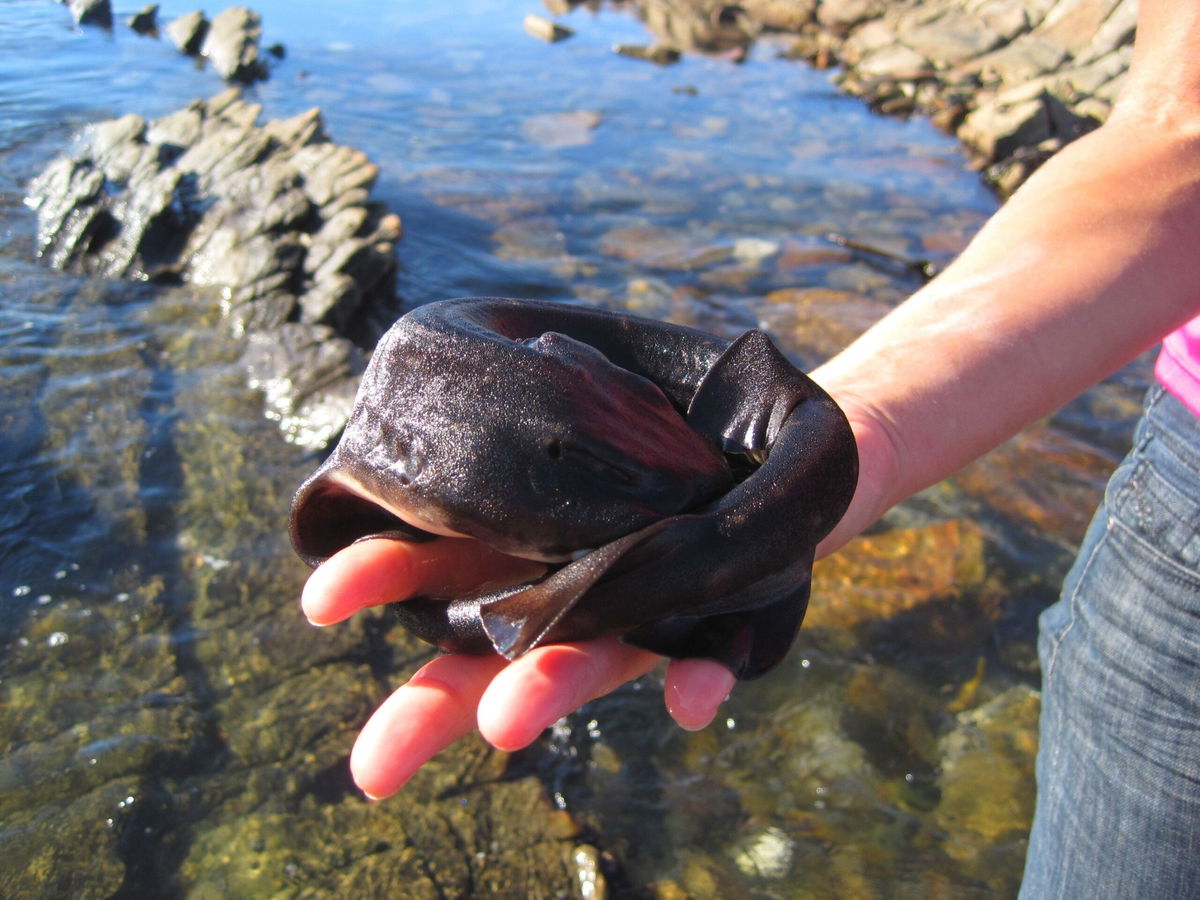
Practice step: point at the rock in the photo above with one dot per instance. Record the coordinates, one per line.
(819, 321)
(998, 129)
(188, 32)
(839, 16)
(656, 53)
(1074, 24)
(68, 849)
(1019, 62)
(541, 27)
(91, 12)
(566, 129)
(276, 216)
(875, 577)
(895, 61)
(952, 38)
(766, 854)
(145, 21)
(1043, 476)
(986, 778)
(784, 15)
(231, 45)
(308, 377)
(932, 58)
(701, 26)
(590, 873)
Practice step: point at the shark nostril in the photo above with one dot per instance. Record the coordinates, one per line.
(554, 448)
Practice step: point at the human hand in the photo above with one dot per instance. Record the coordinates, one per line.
(509, 702)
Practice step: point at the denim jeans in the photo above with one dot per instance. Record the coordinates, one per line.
(1118, 768)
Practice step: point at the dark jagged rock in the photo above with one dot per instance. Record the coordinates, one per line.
(145, 21)
(91, 12)
(275, 215)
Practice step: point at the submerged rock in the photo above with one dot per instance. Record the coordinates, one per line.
(896, 572)
(275, 215)
(188, 32)
(986, 776)
(145, 21)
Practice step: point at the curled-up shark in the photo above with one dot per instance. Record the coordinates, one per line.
(676, 483)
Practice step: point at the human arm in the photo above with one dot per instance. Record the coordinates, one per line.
(1091, 262)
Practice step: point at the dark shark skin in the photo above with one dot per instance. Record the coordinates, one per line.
(678, 482)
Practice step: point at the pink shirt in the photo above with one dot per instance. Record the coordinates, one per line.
(1178, 366)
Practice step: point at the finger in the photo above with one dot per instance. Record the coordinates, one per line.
(694, 690)
(374, 572)
(435, 708)
(545, 684)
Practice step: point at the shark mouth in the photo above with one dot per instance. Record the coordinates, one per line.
(333, 511)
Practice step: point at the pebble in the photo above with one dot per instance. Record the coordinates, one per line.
(541, 27)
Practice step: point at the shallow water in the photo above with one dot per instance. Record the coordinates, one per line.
(170, 726)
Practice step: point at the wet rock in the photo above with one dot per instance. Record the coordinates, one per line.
(839, 16)
(956, 62)
(655, 53)
(146, 20)
(91, 12)
(188, 32)
(275, 215)
(589, 872)
(541, 27)
(663, 248)
(308, 377)
(766, 854)
(1001, 127)
(934, 57)
(231, 45)
(699, 26)
(561, 7)
(66, 850)
(986, 780)
(785, 15)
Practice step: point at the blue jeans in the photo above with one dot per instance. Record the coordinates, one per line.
(1118, 769)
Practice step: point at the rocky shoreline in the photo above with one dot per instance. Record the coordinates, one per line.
(278, 216)
(1015, 80)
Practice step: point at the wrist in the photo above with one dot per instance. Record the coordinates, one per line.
(879, 469)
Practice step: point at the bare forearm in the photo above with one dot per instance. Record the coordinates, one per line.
(1089, 264)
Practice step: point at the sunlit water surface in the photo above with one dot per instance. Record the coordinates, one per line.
(168, 723)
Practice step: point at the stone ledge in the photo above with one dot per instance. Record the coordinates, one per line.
(276, 216)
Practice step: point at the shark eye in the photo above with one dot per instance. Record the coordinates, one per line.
(553, 448)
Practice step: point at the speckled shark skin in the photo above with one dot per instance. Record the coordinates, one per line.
(677, 483)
